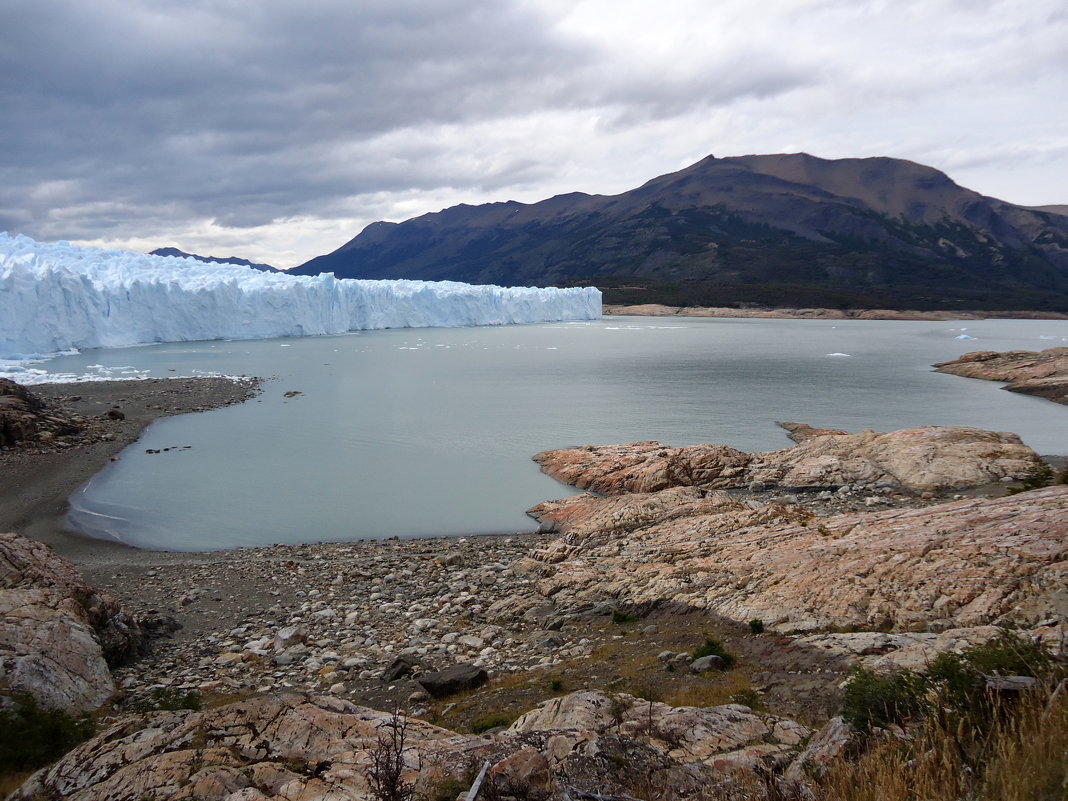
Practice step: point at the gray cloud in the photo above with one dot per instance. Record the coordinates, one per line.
(127, 119)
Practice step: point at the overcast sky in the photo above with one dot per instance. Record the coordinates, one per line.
(277, 129)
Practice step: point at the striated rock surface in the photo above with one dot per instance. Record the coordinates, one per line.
(966, 563)
(932, 458)
(1043, 373)
(57, 634)
(306, 748)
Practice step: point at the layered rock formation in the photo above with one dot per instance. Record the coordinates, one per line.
(964, 563)
(932, 458)
(668, 533)
(58, 636)
(1042, 373)
(307, 748)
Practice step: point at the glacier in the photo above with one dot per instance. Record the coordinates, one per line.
(57, 297)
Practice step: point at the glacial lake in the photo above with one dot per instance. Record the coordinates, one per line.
(429, 432)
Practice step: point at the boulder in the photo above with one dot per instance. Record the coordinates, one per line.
(710, 662)
(403, 665)
(451, 680)
(58, 636)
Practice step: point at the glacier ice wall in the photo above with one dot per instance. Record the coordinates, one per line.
(57, 297)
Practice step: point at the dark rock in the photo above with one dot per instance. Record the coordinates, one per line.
(464, 676)
(404, 665)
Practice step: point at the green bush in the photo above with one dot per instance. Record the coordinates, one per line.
(487, 722)
(953, 685)
(957, 679)
(713, 647)
(756, 626)
(619, 616)
(31, 737)
(873, 701)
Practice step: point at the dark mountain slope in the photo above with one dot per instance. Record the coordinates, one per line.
(776, 230)
(213, 259)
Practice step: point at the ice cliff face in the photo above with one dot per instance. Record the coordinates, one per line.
(55, 297)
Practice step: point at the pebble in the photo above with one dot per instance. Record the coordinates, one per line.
(342, 611)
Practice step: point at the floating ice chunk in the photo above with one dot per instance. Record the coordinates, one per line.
(839, 354)
(965, 336)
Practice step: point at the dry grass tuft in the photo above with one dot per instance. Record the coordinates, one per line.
(1021, 756)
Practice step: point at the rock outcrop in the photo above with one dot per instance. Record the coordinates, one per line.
(932, 458)
(24, 418)
(966, 563)
(1043, 373)
(58, 636)
(304, 748)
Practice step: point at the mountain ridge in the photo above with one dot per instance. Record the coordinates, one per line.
(780, 229)
(181, 254)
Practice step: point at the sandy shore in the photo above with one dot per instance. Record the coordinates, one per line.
(35, 484)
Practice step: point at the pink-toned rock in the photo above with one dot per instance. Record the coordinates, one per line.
(644, 466)
(686, 734)
(312, 748)
(1042, 373)
(827, 746)
(966, 563)
(799, 432)
(935, 458)
(57, 634)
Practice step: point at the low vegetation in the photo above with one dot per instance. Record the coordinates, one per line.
(962, 734)
(713, 647)
(32, 736)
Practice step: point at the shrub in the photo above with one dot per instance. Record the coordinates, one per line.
(873, 701)
(556, 685)
(31, 736)
(487, 722)
(756, 626)
(619, 616)
(713, 647)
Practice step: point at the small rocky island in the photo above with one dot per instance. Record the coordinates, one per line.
(686, 622)
(1042, 373)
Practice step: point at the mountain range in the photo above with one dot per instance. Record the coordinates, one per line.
(213, 259)
(761, 230)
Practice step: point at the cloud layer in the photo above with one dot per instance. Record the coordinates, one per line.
(276, 130)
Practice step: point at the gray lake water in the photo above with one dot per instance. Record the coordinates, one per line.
(430, 432)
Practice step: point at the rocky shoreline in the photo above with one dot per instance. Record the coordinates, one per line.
(1043, 374)
(586, 632)
(659, 310)
(76, 431)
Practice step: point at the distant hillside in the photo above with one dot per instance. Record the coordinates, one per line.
(213, 259)
(775, 230)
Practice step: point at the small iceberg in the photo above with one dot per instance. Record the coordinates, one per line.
(839, 354)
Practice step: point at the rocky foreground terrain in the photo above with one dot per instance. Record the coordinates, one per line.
(565, 660)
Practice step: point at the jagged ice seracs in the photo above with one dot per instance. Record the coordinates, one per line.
(57, 297)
